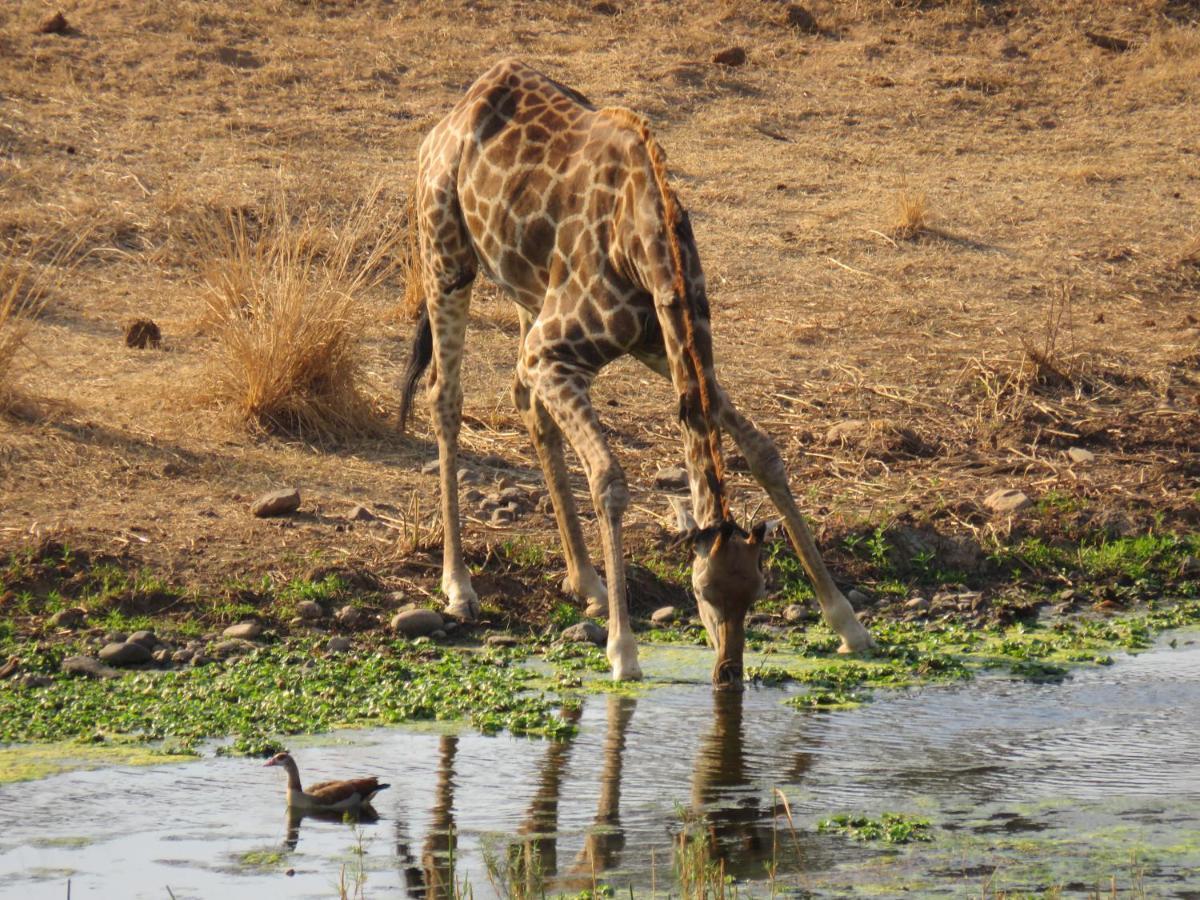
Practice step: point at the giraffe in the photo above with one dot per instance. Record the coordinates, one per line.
(568, 208)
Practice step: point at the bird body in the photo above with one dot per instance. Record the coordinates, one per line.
(326, 795)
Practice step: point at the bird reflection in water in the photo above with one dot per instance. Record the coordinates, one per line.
(296, 817)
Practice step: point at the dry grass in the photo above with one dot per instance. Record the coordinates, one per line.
(911, 215)
(284, 303)
(20, 300)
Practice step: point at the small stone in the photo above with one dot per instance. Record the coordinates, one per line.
(116, 637)
(917, 603)
(68, 618)
(145, 637)
(243, 631)
(585, 633)
(338, 644)
(309, 609)
(1006, 500)
(89, 667)
(730, 56)
(124, 654)
(664, 615)
(851, 431)
(858, 599)
(502, 640)
(350, 616)
(512, 495)
(437, 635)
(360, 513)
(200, 659)
(470, 476)
(162, 656)
(230, 647)
(801, 19)
(55, 24)
(603, 8)
(671, 479)
(31, 680)
(1189, 566)
(502, 516)
(417, 622)
(1080, 455)
(474, 495)
(794, 613)
(545, 504)
(433, 467)
(182, 655)
(276, 503)
(398, 596)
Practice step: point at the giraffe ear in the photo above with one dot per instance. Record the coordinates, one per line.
(764, 531)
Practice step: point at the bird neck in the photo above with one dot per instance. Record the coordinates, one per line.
(293, 774)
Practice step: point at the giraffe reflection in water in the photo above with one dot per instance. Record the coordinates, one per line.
(746, 831)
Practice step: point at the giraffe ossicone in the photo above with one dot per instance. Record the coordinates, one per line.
(568, 208)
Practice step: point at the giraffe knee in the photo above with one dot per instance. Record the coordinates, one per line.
(612, 491)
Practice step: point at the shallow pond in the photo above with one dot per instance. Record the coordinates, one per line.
(1028, 786)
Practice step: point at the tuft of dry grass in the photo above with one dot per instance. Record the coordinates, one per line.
(912, 216)
(20, 300)
(283, 301)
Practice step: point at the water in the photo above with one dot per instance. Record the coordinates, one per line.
(1029, 786)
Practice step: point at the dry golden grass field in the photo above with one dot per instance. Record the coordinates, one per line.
(946, 242)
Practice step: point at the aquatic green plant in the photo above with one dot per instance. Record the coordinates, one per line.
(891, 828)
(281, 690)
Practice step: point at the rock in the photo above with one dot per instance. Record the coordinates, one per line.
(398, 597)
(474, 496)
(276, 503)
(417, 622)
(1006, 500)
(146, 638)
(470, 476)
(55, 24)
(512, 495)
(89, 667)
(116, 637)
(502, 516)
(730, 56)
(858, 599)
(1190, 566)
(125, 654)
(801, 19)
(243, 631)
(502, 640)
(68, 618)
(32, 680)
(1080, 455)
(545, 504)
(350, 616)
(794, 613)
(142, 333)
(227, 648)
(360, 513)
(338, 644)
(585, 633)
(917, 603)
(851, 431)
(672, 479)
(433, 467)
(182, 656)
(199, 659)
(162, 656)
(437, 635)
(664, 615)
(309, 609)
(603, 8)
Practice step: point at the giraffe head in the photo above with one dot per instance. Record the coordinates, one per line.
(727, 578)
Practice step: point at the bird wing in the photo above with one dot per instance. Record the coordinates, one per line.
(332, 792)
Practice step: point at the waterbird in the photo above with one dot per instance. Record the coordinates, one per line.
(352, 793)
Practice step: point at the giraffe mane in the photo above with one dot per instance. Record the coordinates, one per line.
(671, 221)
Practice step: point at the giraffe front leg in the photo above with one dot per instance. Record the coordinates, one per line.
(768, 469)
(582, 581)
(564, 392)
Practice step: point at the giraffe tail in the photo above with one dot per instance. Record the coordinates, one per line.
(419, 358)
(422, 345)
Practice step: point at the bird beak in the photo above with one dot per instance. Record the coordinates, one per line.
(269, 762)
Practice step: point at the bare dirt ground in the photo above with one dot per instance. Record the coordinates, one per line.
(1045, 298)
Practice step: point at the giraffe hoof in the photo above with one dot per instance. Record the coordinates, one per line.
(464, 610)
